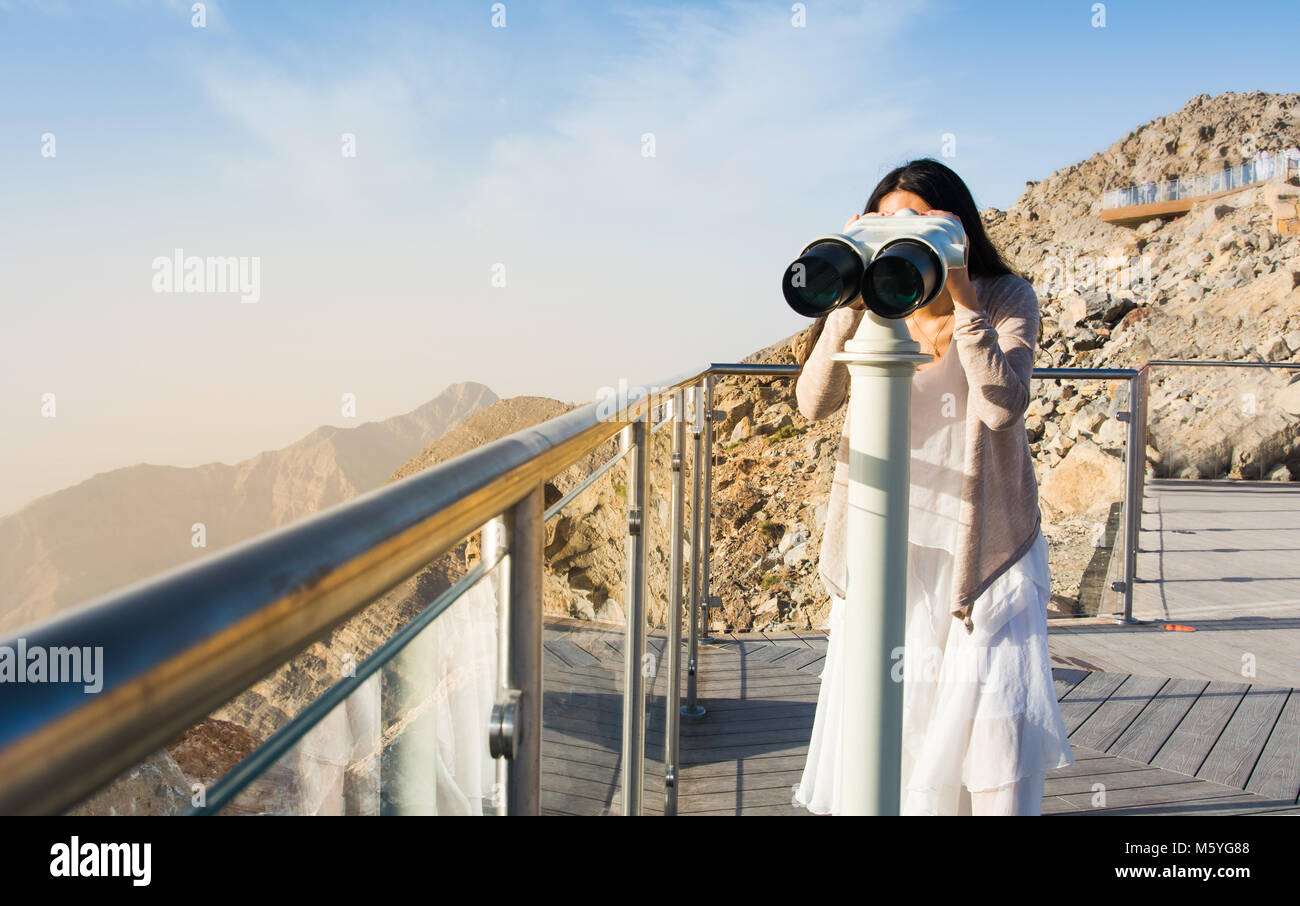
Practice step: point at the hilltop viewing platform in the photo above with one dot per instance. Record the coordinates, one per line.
(1133, 205)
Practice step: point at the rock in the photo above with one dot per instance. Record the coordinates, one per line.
(796, 554)
(1116, 309)
(1289, 398)
(772, 425)
(1087, 480)
(1280, 473)
(1275, 349)
(1087, 421)
(795, 535)
(1086, 338)
(1113, 434)
(1292, 340)
(1034, 427)
(744, 428)
(733, 410)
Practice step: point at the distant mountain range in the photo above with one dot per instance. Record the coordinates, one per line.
(125, 525)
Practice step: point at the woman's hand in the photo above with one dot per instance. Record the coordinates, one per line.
(959, 285)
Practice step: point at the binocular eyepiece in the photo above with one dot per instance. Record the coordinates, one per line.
(897, 264)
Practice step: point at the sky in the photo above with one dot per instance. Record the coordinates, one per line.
(546, 198)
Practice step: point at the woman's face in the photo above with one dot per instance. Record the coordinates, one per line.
(898, 199)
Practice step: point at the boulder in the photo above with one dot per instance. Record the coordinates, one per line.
(1087, 480)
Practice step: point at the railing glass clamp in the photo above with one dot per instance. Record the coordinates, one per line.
(503, 726)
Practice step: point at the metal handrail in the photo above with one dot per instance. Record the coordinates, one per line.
(172, 663)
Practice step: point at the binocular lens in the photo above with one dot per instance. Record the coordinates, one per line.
(901, 279)
(825, 277)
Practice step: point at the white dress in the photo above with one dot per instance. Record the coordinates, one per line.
(981, 725)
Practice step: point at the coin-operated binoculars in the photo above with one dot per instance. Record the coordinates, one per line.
(896, 264)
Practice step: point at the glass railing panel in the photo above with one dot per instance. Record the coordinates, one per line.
(1277, 165)
(410, 738)
(771, 486)
(584, 637)
(290, 701)
(1078, 438)
(1207, 422)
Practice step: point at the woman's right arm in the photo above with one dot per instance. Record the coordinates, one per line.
(823, 384)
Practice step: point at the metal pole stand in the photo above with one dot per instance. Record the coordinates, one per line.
(882, 360)
(708, 600)
(1135, 464)
(693, 710)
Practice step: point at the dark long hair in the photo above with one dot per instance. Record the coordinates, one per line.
(943, 190)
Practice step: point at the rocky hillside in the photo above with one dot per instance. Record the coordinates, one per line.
(122, 526)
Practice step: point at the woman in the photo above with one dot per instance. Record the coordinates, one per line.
(981, 725)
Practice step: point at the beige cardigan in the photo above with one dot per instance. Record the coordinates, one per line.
(999, 517)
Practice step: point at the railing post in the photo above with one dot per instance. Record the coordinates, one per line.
(1135, 457)
(692, 709)
(881, 359)
(706, 514)
(523, 652)
(672, 736)
(637, 436)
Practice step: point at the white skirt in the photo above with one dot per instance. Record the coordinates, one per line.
(980, 716)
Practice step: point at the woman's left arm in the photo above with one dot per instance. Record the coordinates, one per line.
(996, 347)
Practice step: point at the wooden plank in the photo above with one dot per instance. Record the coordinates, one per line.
(1065, 679)
(1085, 698)
(1238, 748)
(802, 712)
(1117, 713)
(1120, 777)
(1150, 799)
(744, 767)
(1277, 774)
(1096, 767)
(784, 736)
(571, 654)
(757, 811)
(731, 755)
(1185, 749)
(1144, 737)
(763, 780)
(1217, 805)
(799, 660)
(739, 799)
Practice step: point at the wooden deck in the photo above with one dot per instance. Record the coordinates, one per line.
(1153, 745)
(1164, 722)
